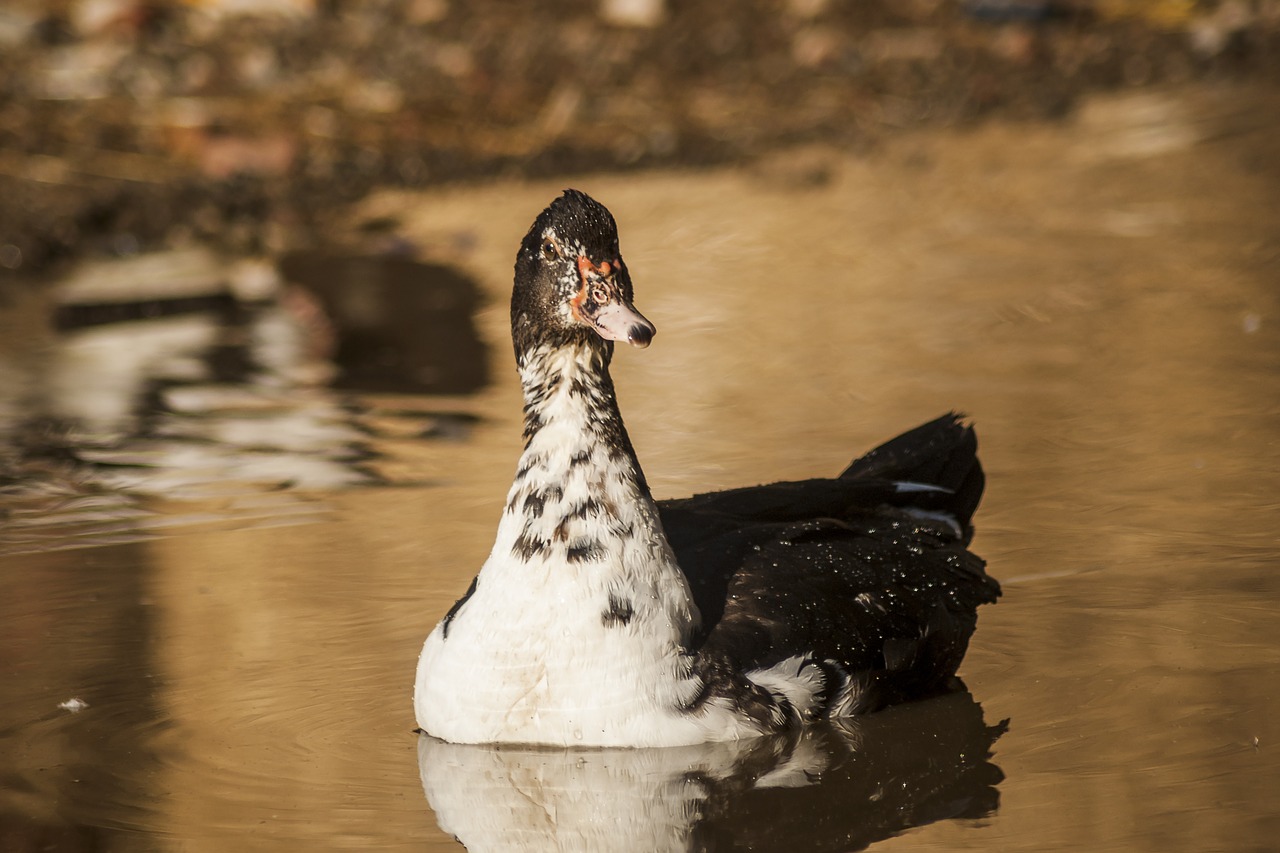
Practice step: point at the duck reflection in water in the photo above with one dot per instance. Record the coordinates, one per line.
(836, 787)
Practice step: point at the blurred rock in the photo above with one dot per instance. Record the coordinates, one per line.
(807, 9)
(89, 18)
(224, 156)
(255, 8)
(79, 72)
(1210, 34)
(904, 45)
(632, 13)
(375, 96)
(419, 12)
(813, 47)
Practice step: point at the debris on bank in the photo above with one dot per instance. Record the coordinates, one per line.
(136, 124)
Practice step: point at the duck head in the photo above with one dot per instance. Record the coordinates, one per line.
(570, 282)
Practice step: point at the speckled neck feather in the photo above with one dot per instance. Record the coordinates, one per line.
(573, 434)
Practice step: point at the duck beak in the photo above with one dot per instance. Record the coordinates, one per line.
(601, 303)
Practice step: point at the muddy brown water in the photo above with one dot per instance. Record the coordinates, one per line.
(1100, 297)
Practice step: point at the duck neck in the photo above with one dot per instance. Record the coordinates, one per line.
(578, 481)
(571, 416)
(579, 510)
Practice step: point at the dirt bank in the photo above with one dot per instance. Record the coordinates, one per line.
(128, 125)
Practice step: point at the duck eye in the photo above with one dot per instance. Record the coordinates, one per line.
(549, 250)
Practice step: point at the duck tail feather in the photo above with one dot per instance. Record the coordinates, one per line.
(937, 461)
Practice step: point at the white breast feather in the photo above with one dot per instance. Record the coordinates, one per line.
(529, 657)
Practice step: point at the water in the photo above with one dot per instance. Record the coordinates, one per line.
(1099, 297)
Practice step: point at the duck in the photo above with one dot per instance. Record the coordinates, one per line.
(605, 618)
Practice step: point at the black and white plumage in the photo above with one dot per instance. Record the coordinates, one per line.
(602, 617)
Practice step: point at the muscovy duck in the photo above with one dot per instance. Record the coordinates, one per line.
(605, 618)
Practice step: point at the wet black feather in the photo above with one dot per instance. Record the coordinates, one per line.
(841, 569)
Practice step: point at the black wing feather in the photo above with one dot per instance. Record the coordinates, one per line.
(846, 569)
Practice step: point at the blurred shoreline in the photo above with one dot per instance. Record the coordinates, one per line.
(129, 126)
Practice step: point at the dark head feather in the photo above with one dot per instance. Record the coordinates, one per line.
(543, 286)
